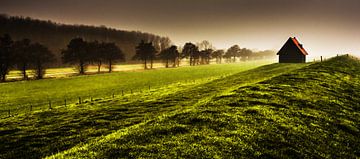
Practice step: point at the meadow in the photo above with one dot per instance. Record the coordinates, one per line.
(25, 96)
(224, 111)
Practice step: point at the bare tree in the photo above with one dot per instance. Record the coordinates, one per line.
(205, 45)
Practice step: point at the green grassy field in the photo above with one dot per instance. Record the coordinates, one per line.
(20, 96)
(273, 111)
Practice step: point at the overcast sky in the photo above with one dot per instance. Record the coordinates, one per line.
(325, 27)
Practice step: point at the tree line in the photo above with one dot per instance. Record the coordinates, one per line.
(82, 53)
(56, 36)
(197, 54)
(25, 55)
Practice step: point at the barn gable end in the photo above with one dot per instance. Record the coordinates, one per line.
(292, 52)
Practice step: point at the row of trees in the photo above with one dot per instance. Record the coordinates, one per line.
(82, 53)
(146, 51)
(23, 55)
(208, 52)
(198, 54)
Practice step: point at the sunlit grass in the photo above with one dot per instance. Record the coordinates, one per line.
(312, 112)
(50, 131)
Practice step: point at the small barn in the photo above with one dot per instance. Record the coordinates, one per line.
(292, 52)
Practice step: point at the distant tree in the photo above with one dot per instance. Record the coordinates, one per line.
(206, 51)
(152, 51)
(111, 53)
(141, 54)
(175, 55)
(76, 53)
(169, 54)
(41, 56)
(95, 51)
(218, 54)
(190, 51)
(178, 60)
(228, 57)
(205, 56)
(234, 52)
(23, 56)
(144, 52)
(6, 56)
(245, 54)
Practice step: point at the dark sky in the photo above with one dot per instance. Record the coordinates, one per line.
(325, 27)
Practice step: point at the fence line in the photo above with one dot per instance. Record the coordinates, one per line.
(17, 109)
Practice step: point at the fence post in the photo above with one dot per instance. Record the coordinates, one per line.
(91, 99)
(79, 100)
(321, 59)
(65, 102)
(49, 104)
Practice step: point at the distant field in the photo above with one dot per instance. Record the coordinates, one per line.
(65, 72)
(20, 96)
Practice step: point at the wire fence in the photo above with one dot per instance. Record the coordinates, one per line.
(51, 103)
(64, 102)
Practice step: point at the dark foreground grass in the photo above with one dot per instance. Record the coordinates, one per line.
(44, 133)
(312, 112)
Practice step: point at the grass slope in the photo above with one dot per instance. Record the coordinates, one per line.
(43, 133)
(18, 96)
(313, 112)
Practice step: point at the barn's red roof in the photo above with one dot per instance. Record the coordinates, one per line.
(301, 48)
